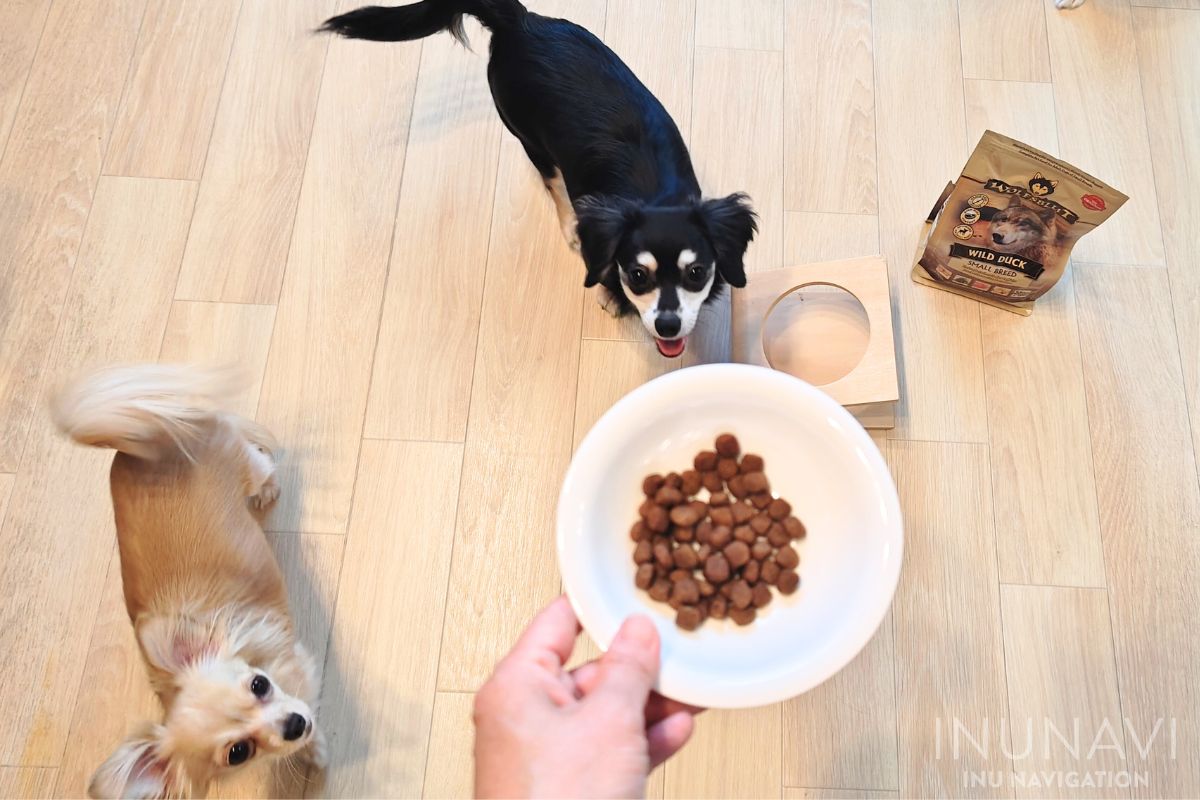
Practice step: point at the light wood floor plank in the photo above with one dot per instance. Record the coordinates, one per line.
(21, 23)
(58, 533)
(27, 783)
(6, 484)
(791, 793)
(731, 754)
(379, 686)
(634, 30)
(1149, 507)
(1094, 58)
(1037, 415)
(937, 334)
(744, 24)
(1170, 73)
(810, 237)
(421, 386)
(1193, 5)
(732, 158)
(1052, 636)
(829, 90)
(607, 372)
(1006, 44)
(949, 659)
(450, 769)
(520, 428)
(318, 374)
(47, 179)
(219, 334)
(843, 733)
(167, 115)
(256, 157)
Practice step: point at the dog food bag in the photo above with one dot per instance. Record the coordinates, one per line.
(1005, 229)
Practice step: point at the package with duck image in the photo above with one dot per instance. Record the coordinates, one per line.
(1002, 233)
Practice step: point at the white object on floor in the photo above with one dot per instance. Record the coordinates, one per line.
(1068, 4)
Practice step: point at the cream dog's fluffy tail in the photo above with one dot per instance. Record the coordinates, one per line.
(146, 410)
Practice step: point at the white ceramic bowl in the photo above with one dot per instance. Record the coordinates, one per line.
(817, 456)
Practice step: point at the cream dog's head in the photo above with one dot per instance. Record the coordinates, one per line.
(232, 695)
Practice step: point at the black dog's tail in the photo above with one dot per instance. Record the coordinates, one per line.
(418, 20)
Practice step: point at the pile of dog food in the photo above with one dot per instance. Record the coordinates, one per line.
(717, 557)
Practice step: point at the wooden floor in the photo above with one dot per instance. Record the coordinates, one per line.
(208, 181)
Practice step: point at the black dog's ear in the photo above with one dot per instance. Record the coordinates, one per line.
(603, 222)
(731, 224)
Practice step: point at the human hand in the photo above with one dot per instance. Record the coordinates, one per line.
(597, 731)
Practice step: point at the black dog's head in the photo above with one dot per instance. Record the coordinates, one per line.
(668, 261)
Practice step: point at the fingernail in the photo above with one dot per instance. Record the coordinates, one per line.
(639, 630)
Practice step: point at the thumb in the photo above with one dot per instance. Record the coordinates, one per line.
(629, 670)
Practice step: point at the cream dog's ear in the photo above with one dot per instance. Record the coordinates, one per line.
(173, 643)
(140, 767)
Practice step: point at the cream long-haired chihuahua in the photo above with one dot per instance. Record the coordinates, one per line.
(203, 590)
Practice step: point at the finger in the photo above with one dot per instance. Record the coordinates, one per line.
(629, 668)
(665, 737)
(586, 676)
(659, 708)
(551, 634)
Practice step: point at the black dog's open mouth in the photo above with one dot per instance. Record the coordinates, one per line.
(671, 348)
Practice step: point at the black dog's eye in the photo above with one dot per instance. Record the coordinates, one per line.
(260, 686)
(696, 273)
(637, 276)
(241, 752)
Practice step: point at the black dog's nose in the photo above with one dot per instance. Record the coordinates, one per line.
(294, 727)
(667, 324)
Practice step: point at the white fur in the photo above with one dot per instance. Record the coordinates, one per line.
(686, 258)
(566, 212)
(647, 260)
(690, 304)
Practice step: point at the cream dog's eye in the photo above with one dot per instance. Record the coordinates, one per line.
(241, 752)
(260, 686)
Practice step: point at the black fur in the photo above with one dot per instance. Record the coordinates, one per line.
(578, 109)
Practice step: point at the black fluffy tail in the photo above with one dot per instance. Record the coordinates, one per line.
(418, 20)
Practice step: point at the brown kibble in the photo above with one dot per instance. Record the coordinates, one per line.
(662, 554)
(683, 533)
(716, 569)
(704, 530)
(794, 527)
(685, 515)
(787, 557)
(742, 513)
(685, 558)
(737, 487)
(740, 594)
(722, 515)
(691, 482)
(718, 499)
(657, 520)
(705, 461)
(727, 445)
(659, 570)
(688, 618)
(756, 482)
(761, 501)
(777, 536)
(651, 484)
(674, 480)
(743, 616)
(751, 571)
(685, 591)
(668, 496)
(646, 507)
(788, 581)
(703, 552)
(760, 523)
(737, 553)
(639, 531)
(718, 608)
(712, 481)
(676, 575)
(744, 533)
(721, 536)
(760, 595)
(727, 468)
(660, 590)
(779, 508)
(769, 572)
(645, 576)
(751, 463)
(706, 588)
(644, 552)
(760, 550)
